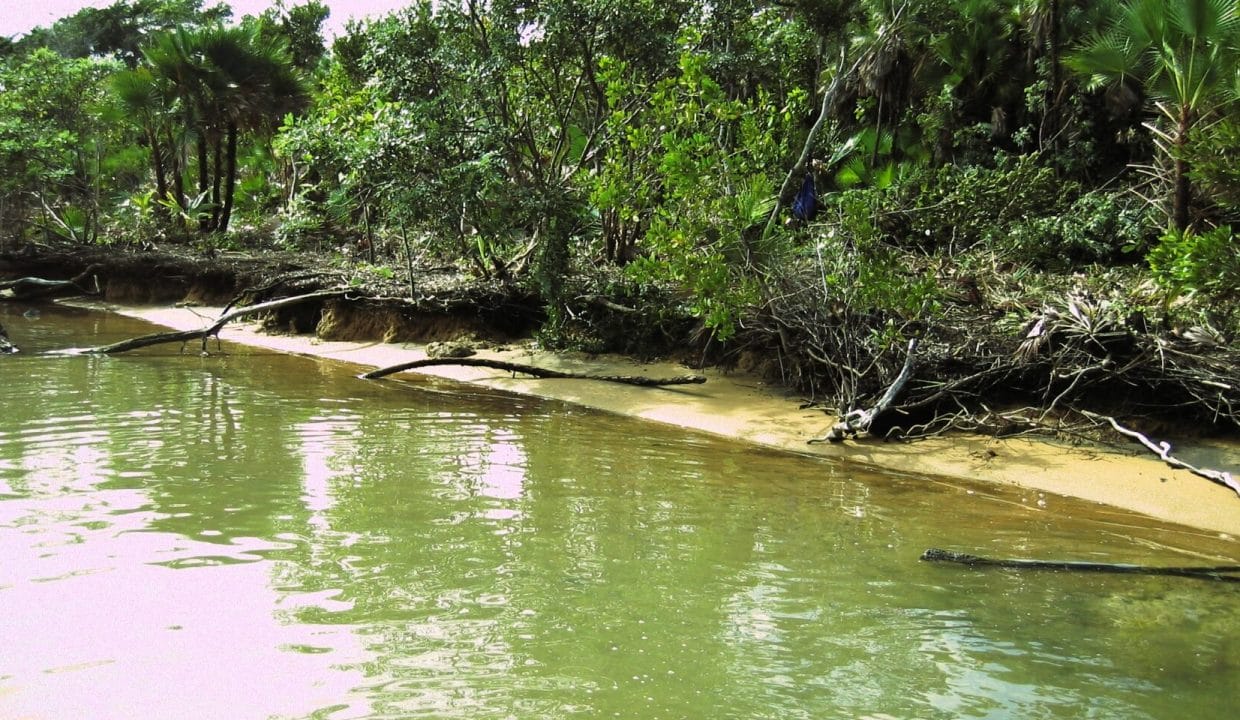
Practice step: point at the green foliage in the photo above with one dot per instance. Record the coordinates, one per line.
(1097, 227)
(300, 27)
(198, 91)
(704, 233)
(1183, 55)
(1213, 156)
(52, 141)
(135, 217)
(860, 269)
(1203, 263)
(525, 139)
(959, 207)
(121, 29)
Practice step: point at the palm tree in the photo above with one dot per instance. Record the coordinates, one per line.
(256, 85)
(1183, 54)
(175, 61)
(219, 82)
(145, 99)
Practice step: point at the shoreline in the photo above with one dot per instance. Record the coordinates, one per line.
(739, 407)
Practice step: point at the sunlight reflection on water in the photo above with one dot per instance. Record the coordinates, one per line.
(229, 537)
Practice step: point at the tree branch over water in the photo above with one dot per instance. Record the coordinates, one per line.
(541, 373)
(206, 333)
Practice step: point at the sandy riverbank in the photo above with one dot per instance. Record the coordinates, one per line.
(743, 408)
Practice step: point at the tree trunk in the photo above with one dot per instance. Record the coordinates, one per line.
(230, 179)
(1051, 120)
(1183, 188)
(204, 175)
(217, 209)
(157, 167)
(178, 182)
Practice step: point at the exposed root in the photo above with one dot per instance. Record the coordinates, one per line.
(858, 421)
(1076, 351)
(1163, 450)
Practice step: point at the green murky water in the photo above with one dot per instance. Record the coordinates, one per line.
(261, 536)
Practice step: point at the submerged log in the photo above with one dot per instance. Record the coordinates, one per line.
(1219, 572)
(207, 333)
(535, 371)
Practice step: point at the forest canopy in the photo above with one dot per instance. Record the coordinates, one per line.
(813, 180)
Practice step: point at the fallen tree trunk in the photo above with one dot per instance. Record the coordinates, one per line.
(1219, 572)
(208, 332)
(535, 371)
(33, 288)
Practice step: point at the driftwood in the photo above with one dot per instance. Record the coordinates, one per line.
(1163, 450)
(1222, 573)
(859, 421)
(535, 371)
(33, 288)
(208, 332)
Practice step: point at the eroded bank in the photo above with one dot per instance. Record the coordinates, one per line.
(745, 409)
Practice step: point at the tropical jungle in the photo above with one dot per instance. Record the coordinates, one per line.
(1001, 216)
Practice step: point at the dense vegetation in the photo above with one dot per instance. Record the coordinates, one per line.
(1043, 192)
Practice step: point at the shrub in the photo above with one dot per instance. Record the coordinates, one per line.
(1097, 227)
(959, 207)
(1198, 263)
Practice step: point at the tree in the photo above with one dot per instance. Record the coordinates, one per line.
(1182, 55)
(217, 82)
(144, 99)
(301, 27)
(52, 140)
(121, 29)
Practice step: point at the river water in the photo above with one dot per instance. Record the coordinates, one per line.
(252, 535)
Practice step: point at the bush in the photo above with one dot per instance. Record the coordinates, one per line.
(1198, 263)
(1213, 155)
(959, 207)
(1097, 227)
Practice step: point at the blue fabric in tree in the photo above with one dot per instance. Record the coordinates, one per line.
(805, 206)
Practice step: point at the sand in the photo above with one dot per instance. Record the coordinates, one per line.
(745, 409)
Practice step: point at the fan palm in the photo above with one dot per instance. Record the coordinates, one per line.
(256, 85)
(143, 96)
(219, 82)
(1183, 54)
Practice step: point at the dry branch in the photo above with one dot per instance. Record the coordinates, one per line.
(860, 420)
(33, 288)
(535, 371)
(208, 332)
(1163, 450)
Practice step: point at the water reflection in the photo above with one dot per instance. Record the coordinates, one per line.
(268, 537)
